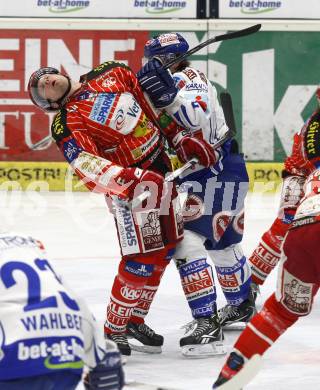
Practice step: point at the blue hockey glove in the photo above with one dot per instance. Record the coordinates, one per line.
(107, 375)
(157, 83)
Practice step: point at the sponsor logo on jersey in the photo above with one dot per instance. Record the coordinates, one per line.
(203, 310)
(61, 354)
(109, 82)
(193, 208)
(130, 293)
(186, 268)
(198, 283)
(144, 127)
(296, 295)
(57, 125)
(127, 231)
(312, 139)
(303, 221)
(126, 114)
(220, 224)
(139, 269)
(144, 149)
(59, 128)
(268, 257)
(228, 280)
(90, 166)
(199, 87)
(103, 104)
(71, 150)
(151, 230)
(168, 39)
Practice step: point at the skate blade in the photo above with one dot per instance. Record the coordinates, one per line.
(235, 326)
(204, 350)
(144, 348)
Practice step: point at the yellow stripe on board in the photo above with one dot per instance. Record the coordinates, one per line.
(39, 176)
(57, 176)
(264, 177)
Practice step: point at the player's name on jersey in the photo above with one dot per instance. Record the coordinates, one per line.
(47, 321)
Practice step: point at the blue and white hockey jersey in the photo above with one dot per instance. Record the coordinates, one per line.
(44, 327)
(196, 105)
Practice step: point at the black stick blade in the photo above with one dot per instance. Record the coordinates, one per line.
(238, 34)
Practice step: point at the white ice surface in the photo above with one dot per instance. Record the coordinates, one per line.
(81, 241)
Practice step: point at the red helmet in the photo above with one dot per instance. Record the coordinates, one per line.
(37, 99)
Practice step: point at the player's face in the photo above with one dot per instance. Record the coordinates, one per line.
(52, 86)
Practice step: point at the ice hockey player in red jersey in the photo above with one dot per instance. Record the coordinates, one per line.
(298, 282)
(304, 158)
(107, 132)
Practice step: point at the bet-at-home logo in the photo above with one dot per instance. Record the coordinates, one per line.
(61, 351)
(160, 6)
(255, 6)
(63, 6)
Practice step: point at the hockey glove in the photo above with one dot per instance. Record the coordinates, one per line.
(188, 146)
(267, 254)
(107, 375)
(157, 83)
(134, 181)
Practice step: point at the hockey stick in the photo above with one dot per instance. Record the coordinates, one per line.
(173, 175)
(41, 143)
(218, 38)
(245, 375)
(226, 103)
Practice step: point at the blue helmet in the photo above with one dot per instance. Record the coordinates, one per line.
(166, 47)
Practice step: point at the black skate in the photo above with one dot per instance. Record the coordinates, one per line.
(236, 317)
(122, 342)
(205, 338)
(233, 365)
(143, 339)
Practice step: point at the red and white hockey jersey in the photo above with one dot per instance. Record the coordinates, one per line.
(309, 205)
(109, 118)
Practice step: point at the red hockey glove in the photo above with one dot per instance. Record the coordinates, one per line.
(189, 146)
(133, 181)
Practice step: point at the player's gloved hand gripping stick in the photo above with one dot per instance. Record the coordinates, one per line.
(172, 176)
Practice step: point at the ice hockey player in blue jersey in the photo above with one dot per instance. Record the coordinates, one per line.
(47, 334)
(214, 214)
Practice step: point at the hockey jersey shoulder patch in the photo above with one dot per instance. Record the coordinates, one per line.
(190, 73)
